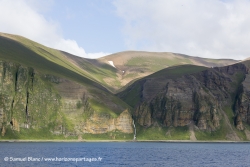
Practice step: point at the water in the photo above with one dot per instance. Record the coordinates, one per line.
(125, 154)
(134, 130)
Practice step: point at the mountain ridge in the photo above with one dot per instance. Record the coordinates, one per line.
(47, 92)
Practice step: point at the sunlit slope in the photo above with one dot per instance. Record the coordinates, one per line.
(22, 50)
(155, 61)
(50, 61)
(37, 76)
(132, 65)
(128, 66)
(99, 71)
(17, 49)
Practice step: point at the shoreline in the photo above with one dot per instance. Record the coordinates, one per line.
(123, 141)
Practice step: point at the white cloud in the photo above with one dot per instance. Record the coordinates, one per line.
(97, 55)
(22, 17)
(216, 29)
(69, 46)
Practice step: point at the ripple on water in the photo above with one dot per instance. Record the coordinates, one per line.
(131, 154)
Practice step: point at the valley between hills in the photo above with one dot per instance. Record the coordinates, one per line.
(48, 94)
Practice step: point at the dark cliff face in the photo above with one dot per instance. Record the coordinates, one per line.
(199, 97)
(242, 102)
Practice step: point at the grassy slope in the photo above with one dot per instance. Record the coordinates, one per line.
(39, 57)
(160, 60)
(50, 61)
(45, 60)
(98, 72)
(163, 133)
(177, 71)
(138, 64)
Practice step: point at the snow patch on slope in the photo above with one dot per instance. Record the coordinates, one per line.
(111, 63)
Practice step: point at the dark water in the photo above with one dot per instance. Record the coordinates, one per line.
(125, 154)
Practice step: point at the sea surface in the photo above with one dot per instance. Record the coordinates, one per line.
(127, 154)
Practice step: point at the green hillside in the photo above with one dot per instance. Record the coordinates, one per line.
(50, 94)
(129, 66)
(43, 90)
(132, 65)
(24, 51)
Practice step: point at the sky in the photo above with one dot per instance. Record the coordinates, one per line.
(95, 28)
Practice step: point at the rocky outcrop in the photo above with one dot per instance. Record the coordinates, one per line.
(143, 115)
(242, 102)
(198, 97)
(32, 100)
(124, 122)
(103, 123)
(26, 100)
(2, 128)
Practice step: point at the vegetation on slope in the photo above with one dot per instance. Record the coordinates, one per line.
(41, 58)
(133, 65)
(133, 93)
(97, 76)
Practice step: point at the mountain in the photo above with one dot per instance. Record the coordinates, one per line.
(50, 94)
(43, 92)
(132, 65)
(210, 103)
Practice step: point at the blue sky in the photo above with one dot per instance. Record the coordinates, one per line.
(93, 24)
(95, 28)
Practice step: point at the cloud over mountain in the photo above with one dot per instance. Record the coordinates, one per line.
(215, 28)
(24, 18)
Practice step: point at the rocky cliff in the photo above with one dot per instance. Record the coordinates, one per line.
(242, 101)
(30, 99)
(101, 123)
(46, 92)
(174, 97)
(26, 100)
(177, 99)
